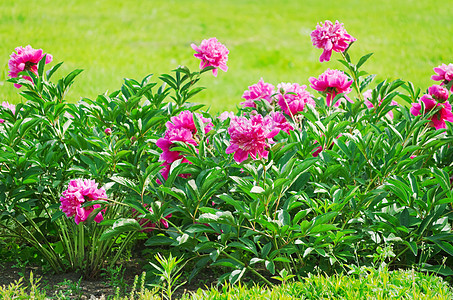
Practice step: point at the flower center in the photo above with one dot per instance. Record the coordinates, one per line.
(29, 65)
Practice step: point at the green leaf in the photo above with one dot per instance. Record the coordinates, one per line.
(236, 275)
(120, 226)
(52, 70)
(159, 240)
(270, 266)
(363, 59)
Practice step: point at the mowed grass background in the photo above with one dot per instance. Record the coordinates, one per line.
(115, 39)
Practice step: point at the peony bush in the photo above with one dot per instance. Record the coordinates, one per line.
(291, 181)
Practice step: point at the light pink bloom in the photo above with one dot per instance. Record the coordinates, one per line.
(250, 137)
(26, 59)
(332, 83)
(108, 131)
(444, 73)
(331, 37)
(438, 119)
(279, 121)
(367, 95)
(9, 106)
(293, 97)
(78, 192)
(256, 92)
(212, 53)
(226, 115)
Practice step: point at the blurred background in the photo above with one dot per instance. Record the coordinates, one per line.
(269, 39)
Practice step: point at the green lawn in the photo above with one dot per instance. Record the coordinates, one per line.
(267, 38)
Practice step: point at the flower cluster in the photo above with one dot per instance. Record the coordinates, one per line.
(331, 37)
(26, 59)
(179, 129)
(435, 99)
(212, 53)
(251, 137)
(293, 97)
(257, 92)
(80, 191)
(444, 73)
(332, 83)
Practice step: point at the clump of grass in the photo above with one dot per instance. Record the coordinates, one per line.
(377, 284)
(17, 290)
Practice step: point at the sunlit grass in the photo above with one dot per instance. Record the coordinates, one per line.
(269, 39)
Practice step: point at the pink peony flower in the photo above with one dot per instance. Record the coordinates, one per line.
(9, 106)
(331, 37)
(439, 93)
(292, 98)
(367, 95)
(256, 92)
(212, 53)
(332, 83)
(226, 115)
(185, 120)
(2, 121)
(108, 131)
(279, 121)
(78, 192)
(167, 142)
(444, 73)
(439, 118)
(250, 137)
(26, 59)
(180, 128)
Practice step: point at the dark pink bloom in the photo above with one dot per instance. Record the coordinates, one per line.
(2, 121)
(292, 98)
(439, 118)
(212, 53)
(330, 37)
(444, 73)
(439, 93)
(78, 192)
(9, 106)
(256, 92)
(185, 120)
(180, 128)
(148, 226)
(108, 131)
(167, 142)
(26, 59)
(367, 96)
(320, 148)
(279, 121)
(317, 151)
(250, 137)
(332, 83)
